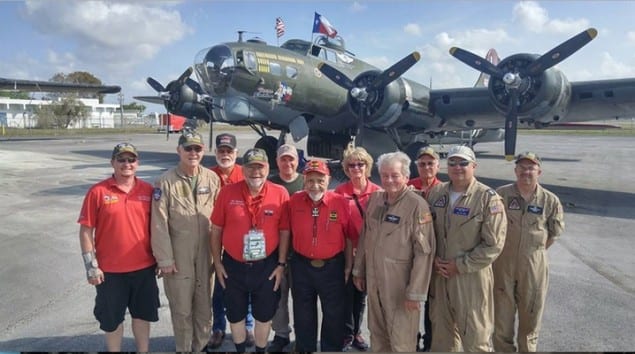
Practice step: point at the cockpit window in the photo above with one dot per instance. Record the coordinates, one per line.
(250, 61)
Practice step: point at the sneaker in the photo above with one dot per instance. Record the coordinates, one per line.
(278, 344)
(251, 340)
(359, 343)
(216, 340)
(348, 344)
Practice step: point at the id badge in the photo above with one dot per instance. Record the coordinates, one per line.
(254, 246)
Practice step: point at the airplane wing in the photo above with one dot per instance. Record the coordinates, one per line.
(47, 86)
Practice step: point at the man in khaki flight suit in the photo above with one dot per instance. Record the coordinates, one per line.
(182, 203)
(470, 225)
(394, 257)
(521, 272)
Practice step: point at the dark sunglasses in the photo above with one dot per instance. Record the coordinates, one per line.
(193, 147)
(462, 163)
(423, 164)
(127, 159)
(358, 165)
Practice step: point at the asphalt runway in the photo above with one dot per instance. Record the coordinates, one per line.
(47, 303)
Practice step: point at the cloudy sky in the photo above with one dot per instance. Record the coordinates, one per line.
(124, 42)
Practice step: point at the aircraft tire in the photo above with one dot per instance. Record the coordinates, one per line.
(270, 145)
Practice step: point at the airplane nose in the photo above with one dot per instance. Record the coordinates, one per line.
(213, 68)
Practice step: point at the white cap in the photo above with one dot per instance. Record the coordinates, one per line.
(463, 152)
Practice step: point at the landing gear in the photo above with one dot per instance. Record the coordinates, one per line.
(270, 145)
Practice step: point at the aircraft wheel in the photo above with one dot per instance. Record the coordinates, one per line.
(270, 145)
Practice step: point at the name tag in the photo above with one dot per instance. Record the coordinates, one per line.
(203, 190)
(534, 209)
(254, 246)
(461, 211)
(392, 219)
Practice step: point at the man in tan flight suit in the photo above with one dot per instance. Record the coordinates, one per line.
(394, 257)
(470, 225)
(183, 200)
(521, 272)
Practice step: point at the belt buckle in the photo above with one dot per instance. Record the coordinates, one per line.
(317, 263)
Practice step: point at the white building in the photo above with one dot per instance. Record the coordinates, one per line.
(15, 113)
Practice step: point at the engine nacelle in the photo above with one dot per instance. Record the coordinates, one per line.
(543, 97)
(382, 107)
(184, 102)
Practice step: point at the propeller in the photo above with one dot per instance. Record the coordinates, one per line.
(362, 91)
(518, 81)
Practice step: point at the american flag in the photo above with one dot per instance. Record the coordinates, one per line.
(279, 27)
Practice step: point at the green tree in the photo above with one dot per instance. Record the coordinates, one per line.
(77, 77)
(20, 95)
(134, 106)
(61, 114)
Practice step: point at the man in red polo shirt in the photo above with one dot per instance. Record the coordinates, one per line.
(229, 172)
(247, 223)
(320, 223)
(428, 167)
(119, 258)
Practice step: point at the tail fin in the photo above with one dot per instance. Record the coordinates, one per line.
(492, 57)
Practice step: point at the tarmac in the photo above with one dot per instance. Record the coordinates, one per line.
(47, 303)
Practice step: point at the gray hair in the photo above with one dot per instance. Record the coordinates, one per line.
(390, 158)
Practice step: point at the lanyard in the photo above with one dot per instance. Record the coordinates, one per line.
(254, 205)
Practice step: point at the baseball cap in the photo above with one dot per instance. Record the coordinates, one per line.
(124, 147)
(255, 155)
(316, 166)
(226, 139)
(528, 155)
(191, 138)
(463, 152)
(427, 150)
(287, 150)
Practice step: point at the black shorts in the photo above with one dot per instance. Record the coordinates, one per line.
(137, 291)
(249, 281)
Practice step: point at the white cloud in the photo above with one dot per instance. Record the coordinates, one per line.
(357, 7)
(114, 36)
(412, 29)
(610, 67)
(535, 18)
(630, 36)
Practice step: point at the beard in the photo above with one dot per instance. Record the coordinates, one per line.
(255, 182)
(316, 196)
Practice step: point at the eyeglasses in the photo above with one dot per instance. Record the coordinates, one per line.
(462, 163)
(193, 147)
(127, 159)
(358, 165)
(424, 164)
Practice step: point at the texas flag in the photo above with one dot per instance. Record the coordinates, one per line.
(322, 25)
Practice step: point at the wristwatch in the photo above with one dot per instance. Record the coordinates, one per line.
(282, 264)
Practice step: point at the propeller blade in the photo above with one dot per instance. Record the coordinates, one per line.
(511, 126)
(481, 64)
(195, 86)
(155, 85)
(396, 70)
(186, 74)
(336, 76)
(561, 52)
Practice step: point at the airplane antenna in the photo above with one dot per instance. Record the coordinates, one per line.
(240, 35)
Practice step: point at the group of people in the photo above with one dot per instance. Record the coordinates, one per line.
(231, 242)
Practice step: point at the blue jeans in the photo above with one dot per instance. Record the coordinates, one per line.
(218, 306)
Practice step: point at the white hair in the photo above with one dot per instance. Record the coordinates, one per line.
(390, 158)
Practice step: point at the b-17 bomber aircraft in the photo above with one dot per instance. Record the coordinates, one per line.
(321, 90)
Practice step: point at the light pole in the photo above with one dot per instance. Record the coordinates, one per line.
(121, 107)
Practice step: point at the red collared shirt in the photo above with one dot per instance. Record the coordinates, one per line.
(237, 211)
(418, 184)
(122, 225)
(319, 231)
(236, 175)
(346, 189)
